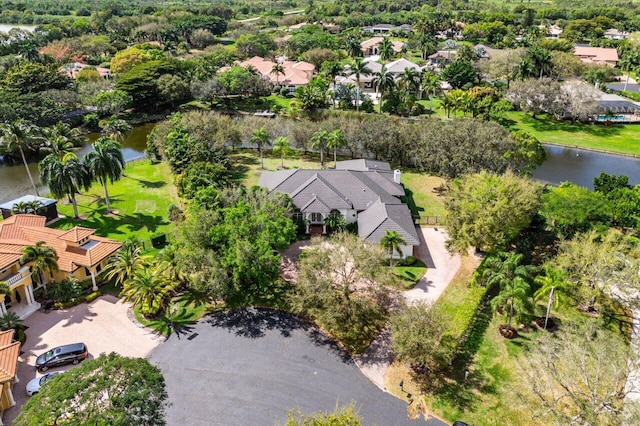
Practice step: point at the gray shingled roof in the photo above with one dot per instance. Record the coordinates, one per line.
(380, 217)
(362, 165)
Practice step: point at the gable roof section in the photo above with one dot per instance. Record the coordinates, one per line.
(9, 361)
(401, 64)
(362, 165)
(316, 205)
(396, 46)
(596, 54)
(380, 217)
(317, 186)
(77, 234)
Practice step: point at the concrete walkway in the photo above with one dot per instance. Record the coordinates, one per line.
(441, 268)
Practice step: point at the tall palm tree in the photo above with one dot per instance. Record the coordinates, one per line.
(629, 61)
(359, 68)
(27, 207)
(383, 80)
(66, 176)
(385, 49)
(61, 139)
(278, 70)
(42, 258)
(353, 46)
(105, 163)
(427, 45)
(260, 137)
(410, 81)
(147, 290)
(335, 140)
(20, 135)
(319, 141)
(391, 242)
(332, 69)
(506, 267)
(115, 128)
(553, 286)
(123, 264)
(283, 146)
(514, 294)
(431, 85)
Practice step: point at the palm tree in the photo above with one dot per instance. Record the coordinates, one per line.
(278, 70)
(332, 69)
(353, 46)
(385, 49)
(515, 294)
(43, 258)
(61, 139)
(383, 80)
(335, 222)
(391, 241)
(506, 267)
(431, 85)
(260, 137)
(123, 264)
(427, 45)
(27, 207)
(629, 60)
(358, 68)
(66, 176)
(104, 163)
(553, 286)
(319, 141)
(540, 59)
(115, 128)
(283, 145)
(410, 81)
(12, 321)
(335, 140)
(20, 135)
(147, 290)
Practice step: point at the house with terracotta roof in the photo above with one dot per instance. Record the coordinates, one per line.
(596, 55)
(371, 47)
(9, 352)
(365, 192)
(296, 74)
(81, 255)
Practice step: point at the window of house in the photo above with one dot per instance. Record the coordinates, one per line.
(316, 217)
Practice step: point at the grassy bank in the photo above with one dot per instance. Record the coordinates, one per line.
(619, 138)
(140, 201)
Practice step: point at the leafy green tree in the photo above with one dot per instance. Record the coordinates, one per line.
(20, 135)
(105, 163)
(136, 390)
(335, 222)
(201, 175)
(126, 59)
(261, 138)
(173, 89)
(112, 102)
(42, 258)
(606, 183)
(313, 96)
(487, 211)
(341, 284)
(283, 146)
(33, 77)
(503, 267)
(459, 73)
(417, 336)
(527, 154)
(409, 81)
(141, 81)
(66, 176)
(125, 262)
(391, 241)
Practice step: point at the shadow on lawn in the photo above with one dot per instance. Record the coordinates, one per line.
(408, 198)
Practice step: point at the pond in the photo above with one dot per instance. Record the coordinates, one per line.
(5, 28)
(14, 181)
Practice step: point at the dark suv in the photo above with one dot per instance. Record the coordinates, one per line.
(67, 354)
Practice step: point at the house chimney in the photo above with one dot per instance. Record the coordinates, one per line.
(396, 176)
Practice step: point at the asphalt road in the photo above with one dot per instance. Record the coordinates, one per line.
(250, 367)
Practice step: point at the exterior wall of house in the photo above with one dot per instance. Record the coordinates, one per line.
(406, 250)
(6, 399)
(350, 216)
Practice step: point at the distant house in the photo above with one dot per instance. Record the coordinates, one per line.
(49, 206)
(371, 46)
(9, 352)
(617, 111)
(385, 29)
(596, 55)
(441, 58)
(73, 69)
(296, 74)
(365, 192)
(81, 255)
(615, 34)
(398, 66)
(552, 31)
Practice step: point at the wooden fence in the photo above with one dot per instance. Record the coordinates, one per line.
(430, 220)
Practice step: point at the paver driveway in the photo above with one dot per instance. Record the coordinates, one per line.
(103, 325)
(251, 366)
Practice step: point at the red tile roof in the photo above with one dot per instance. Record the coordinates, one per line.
(8, 356)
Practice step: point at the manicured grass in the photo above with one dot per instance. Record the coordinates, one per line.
(422, 197)
(620, 138)
(141, 199)
(410, 275)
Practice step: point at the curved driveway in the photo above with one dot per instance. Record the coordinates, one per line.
(251, 366)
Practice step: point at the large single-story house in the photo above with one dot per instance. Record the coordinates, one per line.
(597, 55)
(387, 28)
(81, 255)
(615, 34)
(9, 352)
(365, 192)
(295, 74)
(371, 46)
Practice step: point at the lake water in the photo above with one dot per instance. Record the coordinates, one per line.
(14, 181)
(5, 28)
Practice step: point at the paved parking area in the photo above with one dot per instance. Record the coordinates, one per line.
(103, 325)
(251, 366)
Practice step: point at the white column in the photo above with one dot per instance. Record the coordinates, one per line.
(12, 401)
(307, 222)
(324, 225)
(93, 280)
(3, 308)
(28, 290)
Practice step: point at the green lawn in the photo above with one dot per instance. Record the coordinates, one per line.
(422, 195)
(141, 199)
(616, 138)
(410, 275)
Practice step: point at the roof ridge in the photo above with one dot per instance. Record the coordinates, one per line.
(333, 188)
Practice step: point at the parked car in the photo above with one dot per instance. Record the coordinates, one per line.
(33, 387)
(67, 354)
